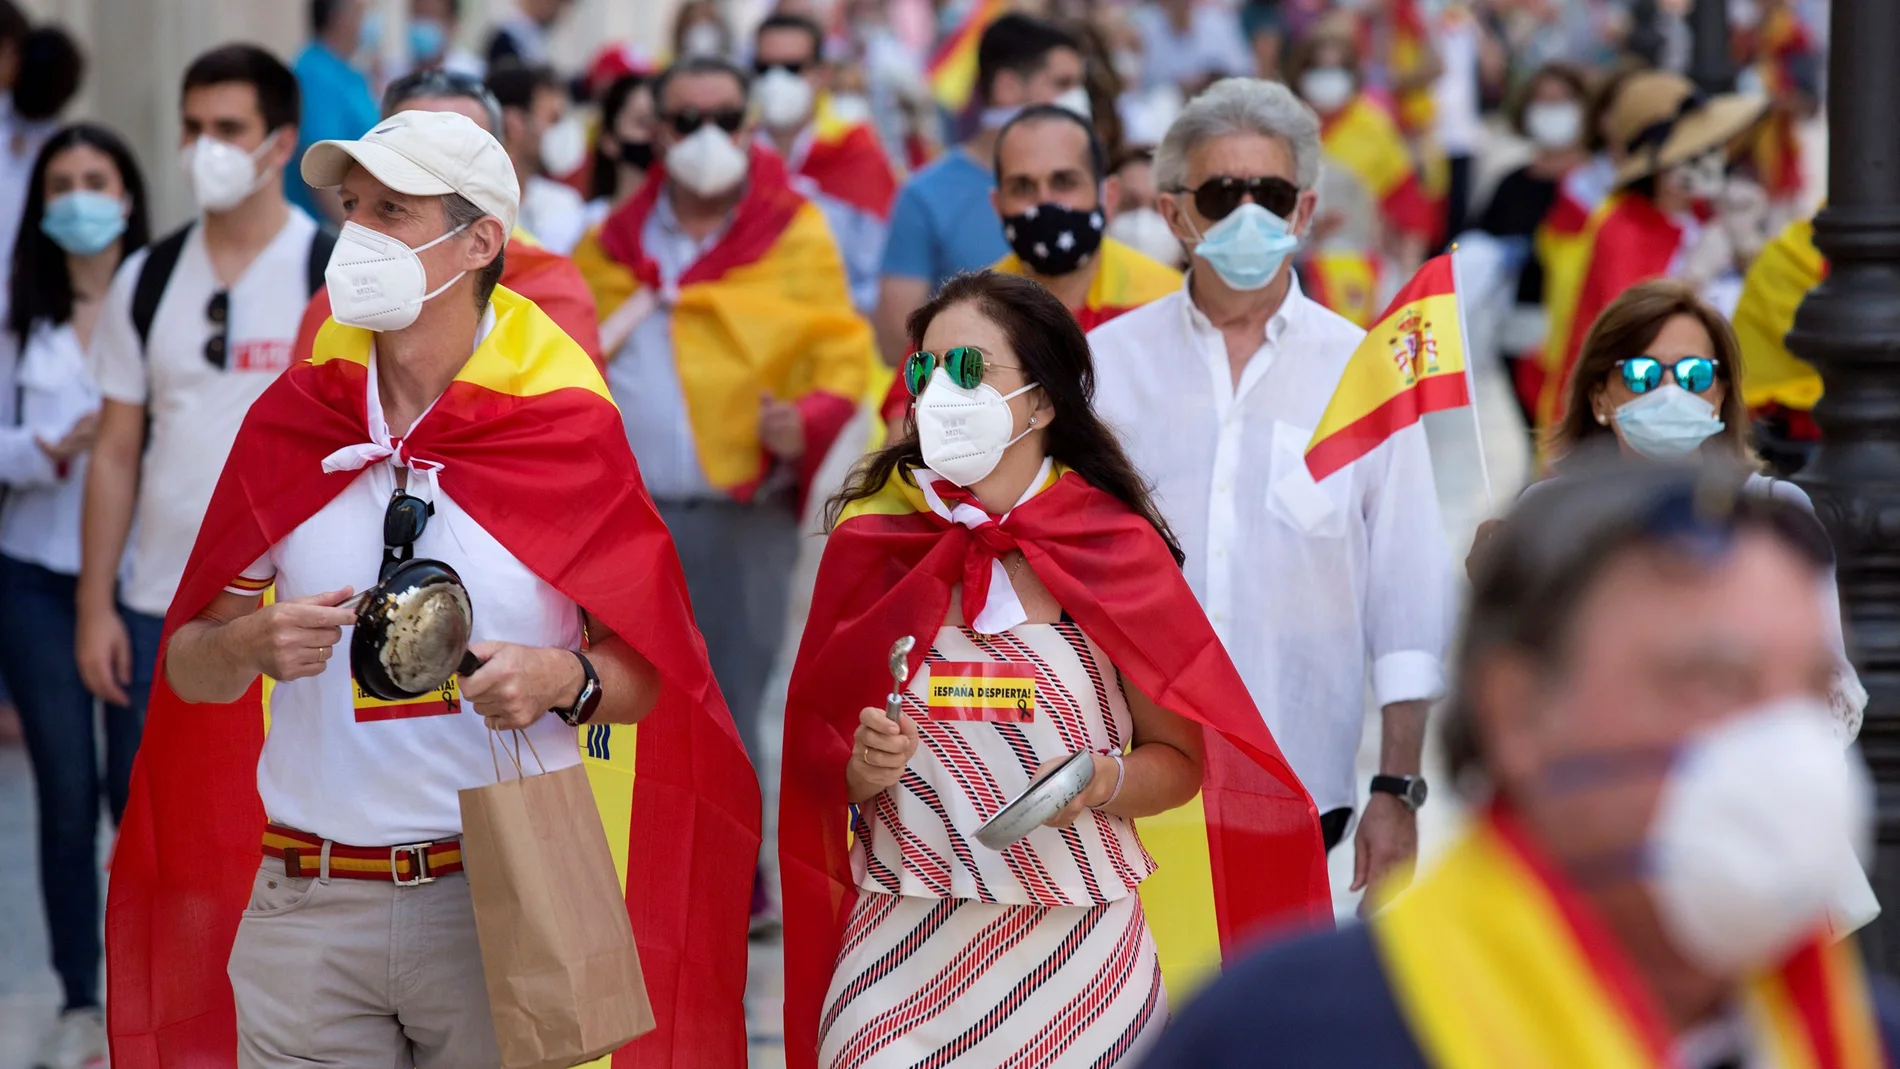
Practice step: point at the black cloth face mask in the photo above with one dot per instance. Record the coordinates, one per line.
(1053, 240)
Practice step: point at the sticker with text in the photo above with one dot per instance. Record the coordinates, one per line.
(1000, 691)
(445, 700)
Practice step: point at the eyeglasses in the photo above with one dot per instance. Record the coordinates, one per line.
(1644, 373)
(686, 123)
(1217, 197)
(761, 67)
(219, 313)
(965, 363)
(403, 522)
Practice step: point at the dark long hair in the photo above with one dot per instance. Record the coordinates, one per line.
(604, 180)
(1054, 354)
(40, 287)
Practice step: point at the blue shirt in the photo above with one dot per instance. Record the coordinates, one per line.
(337, 105)
(944, 223)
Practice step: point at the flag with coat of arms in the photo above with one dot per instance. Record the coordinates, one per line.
(1411, 362)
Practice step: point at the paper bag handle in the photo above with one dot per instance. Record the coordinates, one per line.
(514, 757)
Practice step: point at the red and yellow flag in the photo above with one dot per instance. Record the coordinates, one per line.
(1774, 287)
(541, 275)
(847, 161)
(1244, 856)
(1412, 362)
(1363, 139)
(1496, 961)
(767, 308)
(533, 449)
(952, 67)
(1345, 281)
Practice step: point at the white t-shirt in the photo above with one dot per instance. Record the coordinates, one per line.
(195, 407)
(370, 773)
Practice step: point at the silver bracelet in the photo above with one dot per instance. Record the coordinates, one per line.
(1121, 769)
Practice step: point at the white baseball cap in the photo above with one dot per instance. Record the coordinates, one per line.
(425, 154)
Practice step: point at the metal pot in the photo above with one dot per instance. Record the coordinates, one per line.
(412, 631)
(1038, 802)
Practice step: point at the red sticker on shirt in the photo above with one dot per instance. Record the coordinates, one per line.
(263, 354)
(995, 691)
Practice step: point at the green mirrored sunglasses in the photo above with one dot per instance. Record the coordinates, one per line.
(964, 363)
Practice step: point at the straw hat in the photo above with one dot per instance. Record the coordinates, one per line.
(1661, 120)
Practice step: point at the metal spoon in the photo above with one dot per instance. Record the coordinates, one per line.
(900, 671)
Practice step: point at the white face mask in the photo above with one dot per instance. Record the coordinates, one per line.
(708, 163)
(1758, 819)
(850, 108)
(1075, 100)
(703, 39)
(563, 147)
(376, 282)
(784, 99)
(1554, 123)
(1703, 178)
(1147, 232)
(222, 174)
(963, 433)
(1327, 88)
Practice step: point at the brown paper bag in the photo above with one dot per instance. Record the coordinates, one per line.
(557, 949)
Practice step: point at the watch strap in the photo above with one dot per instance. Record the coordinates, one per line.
(588, 700)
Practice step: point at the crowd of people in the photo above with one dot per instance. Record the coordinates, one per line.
(1017, 320)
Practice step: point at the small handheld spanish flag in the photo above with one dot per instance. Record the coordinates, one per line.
(1412, 362)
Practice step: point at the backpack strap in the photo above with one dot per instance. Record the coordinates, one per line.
(154, 275)
(321, 243)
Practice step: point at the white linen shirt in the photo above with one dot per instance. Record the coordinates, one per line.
(1305, 583)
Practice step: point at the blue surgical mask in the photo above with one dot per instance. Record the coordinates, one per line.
(428, 38)
(84, 222)
(1667, 423)
(1247, 248)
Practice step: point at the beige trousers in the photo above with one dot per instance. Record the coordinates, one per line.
(360, 973)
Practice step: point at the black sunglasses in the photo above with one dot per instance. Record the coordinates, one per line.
(1217, 197)
(761, 67)
(403, 522)
(686, 123)
(219, 313)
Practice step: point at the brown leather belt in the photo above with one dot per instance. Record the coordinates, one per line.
(408, 865)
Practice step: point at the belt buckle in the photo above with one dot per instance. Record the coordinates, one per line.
(418, 863)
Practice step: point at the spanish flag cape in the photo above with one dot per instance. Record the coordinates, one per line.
(1781, 276)
(1125, 279)
(1344, 281)
(848, 163)
(1411, 362)
(1780, 40)
(533, 271)
(1244, 855)
(1562, 245)
(1362, 138)
(951, 69)
(1633, 242)
(1497, 962)
(766, 308)
(533, 448)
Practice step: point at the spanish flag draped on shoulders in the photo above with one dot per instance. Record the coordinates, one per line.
(531, 446)
(766, 307)
(1125, 279)
(1254, 859)
(1363, 138)
(1562, 245)
(847, 162)
(531, 270)
(1787, 268)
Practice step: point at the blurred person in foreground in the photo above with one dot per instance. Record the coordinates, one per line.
(195, 326)
(837, 162)
(943, 223)
(1010, 534)
(85, 212)
(1676, 212)
(1054, 199)
(546, 144)
(543, 276)
(441, 417)
(1663, 816)
(1661, 374)
(735, 355)
(1315, 588)
(335, 95)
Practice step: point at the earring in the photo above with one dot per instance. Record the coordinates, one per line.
(1602, 420)
(1032, 423)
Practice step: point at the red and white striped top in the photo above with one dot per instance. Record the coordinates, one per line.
(979, 751)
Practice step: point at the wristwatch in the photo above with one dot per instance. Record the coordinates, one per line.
(583, 708)
(1410, 789)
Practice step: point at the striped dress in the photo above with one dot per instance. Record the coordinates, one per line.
(1037, 957)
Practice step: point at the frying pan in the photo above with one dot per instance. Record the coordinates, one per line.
(1043, 799)
(412, 631)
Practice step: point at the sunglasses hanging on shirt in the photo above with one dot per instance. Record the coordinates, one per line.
(217, 347)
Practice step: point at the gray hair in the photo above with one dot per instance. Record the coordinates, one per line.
(1240, 106)
(461, 212)
(434, 83)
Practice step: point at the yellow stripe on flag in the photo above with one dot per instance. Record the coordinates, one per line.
(1411, 362)
(1179, 899)
(607, 753)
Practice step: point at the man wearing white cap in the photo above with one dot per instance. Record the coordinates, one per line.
(438, 417)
